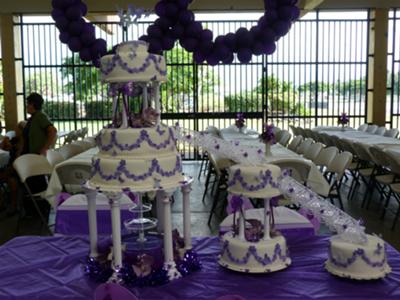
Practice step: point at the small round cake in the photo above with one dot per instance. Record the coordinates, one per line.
(260, 181)
(263, 256)
(133, 62)
(355, 261)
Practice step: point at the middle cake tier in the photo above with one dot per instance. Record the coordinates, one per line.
(142, 173)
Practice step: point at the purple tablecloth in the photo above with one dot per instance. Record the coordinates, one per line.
(50, 268)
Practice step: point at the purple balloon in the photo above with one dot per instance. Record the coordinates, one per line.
(222, 52)
(177, 31)
(85, 54)
(163, 23)
(229, 59)
(75, 28)
(96, 62)
(212, 60)
(62, 23)
(56, 13)
(285, 13)
(168, 43)
(62, 3)
(98, 48)
(271, 16)
(83, 8)
(206, 35)
(244, 38)
(74, 44)
(144, 38)
(74, 12)
(190, 44)
(267, 35)
(186, 17)
(64, 37)
(230, 41)
(295, 13)
(160, 9)
(206, 48)
(88, 34)
(244, 55)
(194, 30)
(198, 57)
(258, 48)
(268, 4)
(269, 48)
(154, 31)
(182, 4)
(281, 28)
(154, 46)
(171, 10)
(256, 31)
(220, 40)
(262, 22)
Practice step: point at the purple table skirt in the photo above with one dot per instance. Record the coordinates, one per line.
(51, 268)
(74, 220)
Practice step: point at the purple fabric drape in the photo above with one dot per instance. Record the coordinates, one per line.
(51, 268)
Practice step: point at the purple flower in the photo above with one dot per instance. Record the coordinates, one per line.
(268, 135)
(239, 122)
(343, 119)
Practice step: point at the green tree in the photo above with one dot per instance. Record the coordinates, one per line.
(351, 87)
(44, 83)
(177, 95)
(281, 98)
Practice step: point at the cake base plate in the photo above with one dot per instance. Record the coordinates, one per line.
(336, 272)
(255, 270)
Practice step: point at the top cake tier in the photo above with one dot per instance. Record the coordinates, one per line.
(133, 62)
(261, 181)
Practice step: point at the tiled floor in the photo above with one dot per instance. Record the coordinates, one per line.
(200, 214)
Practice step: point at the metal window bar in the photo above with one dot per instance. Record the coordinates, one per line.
(393, 86)
(318, 71)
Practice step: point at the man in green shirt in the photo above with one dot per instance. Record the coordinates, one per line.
(39, 133)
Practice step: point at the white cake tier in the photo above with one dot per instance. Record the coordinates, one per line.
(261, 257)
(141, 174)
(137, 142)
(355, 261)
(254, 181)
(132, 62)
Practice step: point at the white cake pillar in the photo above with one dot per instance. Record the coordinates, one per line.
(267, 215)
(114, 200)
(145, 96)
(141, 238)
(114, 108)
(160, 212)
(169, 263)
(242, 224)
(186, 216)
(125, 111)
(92, 215)
(156, 89)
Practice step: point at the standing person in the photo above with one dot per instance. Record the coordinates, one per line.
(39, 133)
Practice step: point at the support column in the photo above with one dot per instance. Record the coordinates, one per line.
(12, 83)
(186, 216)
(92, 214)
(377, 66)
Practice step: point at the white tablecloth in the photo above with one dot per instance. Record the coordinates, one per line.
(332, 128)
(54, 186)
(315, 181)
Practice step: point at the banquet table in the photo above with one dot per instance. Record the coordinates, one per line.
(316, 181)
(52, 268)
(364, 138)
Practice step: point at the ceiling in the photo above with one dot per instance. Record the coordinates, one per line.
(44, 6)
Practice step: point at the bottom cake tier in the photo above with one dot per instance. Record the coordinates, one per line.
(261, 257)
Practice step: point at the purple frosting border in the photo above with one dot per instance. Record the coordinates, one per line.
(265, 180)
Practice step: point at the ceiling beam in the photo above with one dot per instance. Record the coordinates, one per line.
(309, 5)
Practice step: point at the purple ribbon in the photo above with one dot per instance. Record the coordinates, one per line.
(61, 198)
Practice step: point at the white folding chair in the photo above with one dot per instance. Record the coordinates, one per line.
(363, 127)
(28, 166)
(299, 169)
(372, 128)
(393, 132)
(84, 144)
(313, 151)
(304, 146)
(325, 157)
(73, 175)
(54, 157)
(380, 131)
(295, 143)
(285, 138)
(70, 150)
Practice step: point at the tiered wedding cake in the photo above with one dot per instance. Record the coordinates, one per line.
(267, 252)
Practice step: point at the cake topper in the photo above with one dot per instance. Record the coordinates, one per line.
(131, 16)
